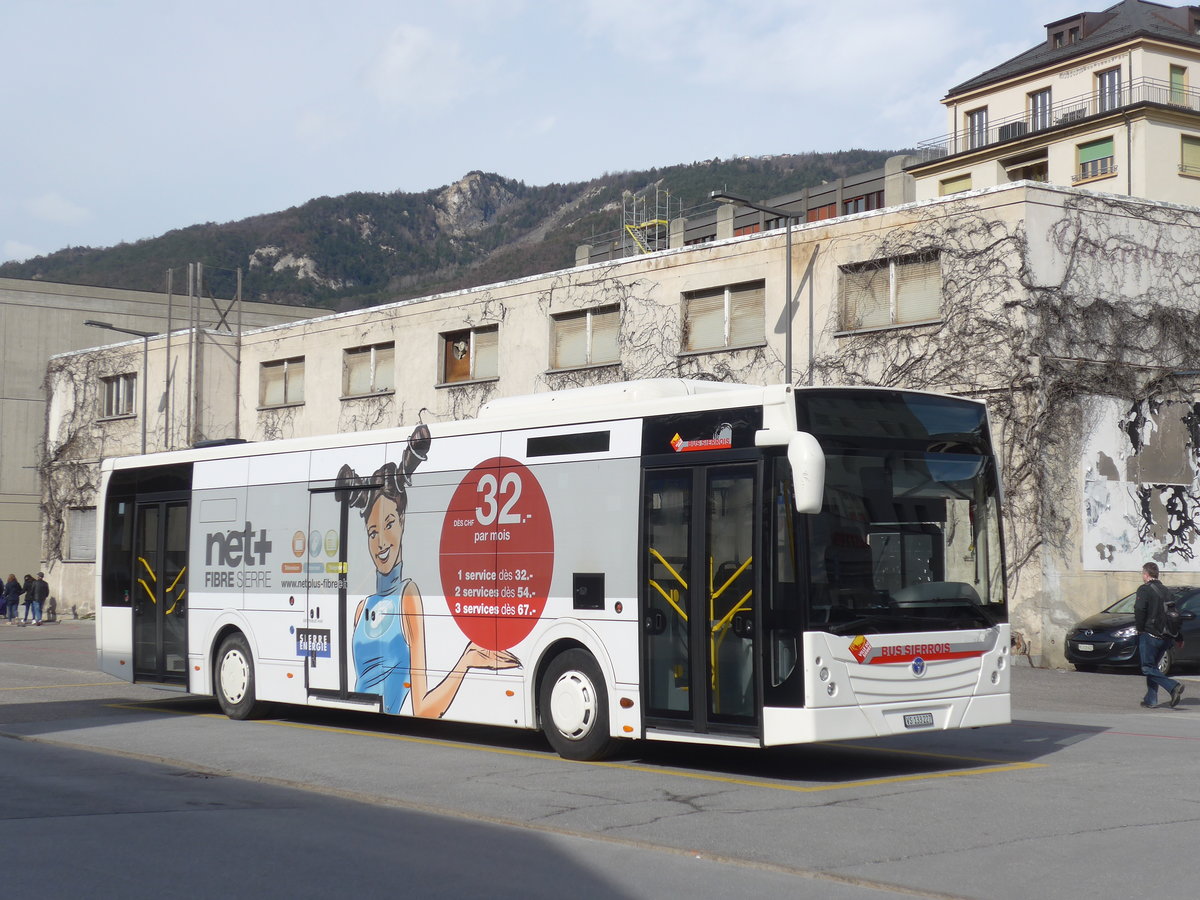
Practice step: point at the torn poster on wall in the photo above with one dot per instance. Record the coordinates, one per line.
(1141, 485)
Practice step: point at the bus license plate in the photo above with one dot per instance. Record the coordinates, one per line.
(919, 720)
(1086, 648)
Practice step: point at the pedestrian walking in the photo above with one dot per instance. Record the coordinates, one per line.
(12, 598)
(1150, 617)
(28, 597)
(40, 591)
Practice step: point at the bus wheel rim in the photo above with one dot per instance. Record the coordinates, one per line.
(573, 705)
(234, 676)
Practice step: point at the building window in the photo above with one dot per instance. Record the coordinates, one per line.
(369, 370)
(1057, 41)
(863, 203)
(81, 535)
(1179, 85)
(1095, 160)
(471, 355)
(1108, 89)
(884, 292)
(281, 382)
(1189, 158)
(977, 128)
(747, 229)
(585, 338)
(1039, 109)
(954, 185)
(724, 317)
(817, 213)
(118, 396)
(1072, 35)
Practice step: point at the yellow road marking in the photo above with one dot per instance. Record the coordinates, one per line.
(42, 687)
(988, 767)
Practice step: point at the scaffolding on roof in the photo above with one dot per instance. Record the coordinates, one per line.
(645, 226)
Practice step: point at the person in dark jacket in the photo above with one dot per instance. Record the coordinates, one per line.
(40, 591)
(28, 596)
(12, 598)
(1150, 620)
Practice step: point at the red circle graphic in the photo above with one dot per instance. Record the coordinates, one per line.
(497, 553)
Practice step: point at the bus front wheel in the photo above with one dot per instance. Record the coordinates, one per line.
(574, 706)
(235, 680)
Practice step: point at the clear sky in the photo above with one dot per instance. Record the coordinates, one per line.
(124, 119)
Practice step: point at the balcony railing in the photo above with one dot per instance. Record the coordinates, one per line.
(1063, 113)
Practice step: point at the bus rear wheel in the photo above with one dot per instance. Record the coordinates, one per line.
(574, 707)
(235, 680)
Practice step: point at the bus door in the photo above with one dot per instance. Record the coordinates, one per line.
(699, 608)
(322, 641)
(159, 585)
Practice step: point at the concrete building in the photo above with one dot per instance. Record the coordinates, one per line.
(37, 320)
(879, 188)
(1073, 312)
(1013, 294)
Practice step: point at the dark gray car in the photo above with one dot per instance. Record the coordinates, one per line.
(1109, 638)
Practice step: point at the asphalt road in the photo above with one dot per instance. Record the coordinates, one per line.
(109, 790)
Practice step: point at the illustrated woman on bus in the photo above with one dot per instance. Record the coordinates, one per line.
(388, 643)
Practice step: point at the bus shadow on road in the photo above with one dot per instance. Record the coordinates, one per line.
(1020, 745)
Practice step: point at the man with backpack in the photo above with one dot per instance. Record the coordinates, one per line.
(1157, 629)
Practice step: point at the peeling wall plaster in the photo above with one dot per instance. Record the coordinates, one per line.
(1141, 485)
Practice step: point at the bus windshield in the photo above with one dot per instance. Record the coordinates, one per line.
(908, 539)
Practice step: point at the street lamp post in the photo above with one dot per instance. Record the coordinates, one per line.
(722, 197)
(145, 336)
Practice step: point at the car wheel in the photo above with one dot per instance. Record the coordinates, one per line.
(235, 680)
(573, 702)
(1166, 662)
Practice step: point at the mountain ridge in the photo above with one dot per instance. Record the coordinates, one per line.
(361, 249)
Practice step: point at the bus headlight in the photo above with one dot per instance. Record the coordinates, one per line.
(823, 674)
(831, 688)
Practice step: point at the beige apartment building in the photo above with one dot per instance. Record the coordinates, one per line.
(1107, 100)
(1068, 304)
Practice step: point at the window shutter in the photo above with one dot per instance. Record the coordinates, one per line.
(358, 372)
(1191, 153)
(271, 384)
(705, 323)
(606, 326)
(918, 290)
(570, 341)
(866, 302)
(385, 367)
(747, 311)
(487, 354)
(456, 357)
(1095, 150)
(295, 381)
(82, 530)
(954, 185)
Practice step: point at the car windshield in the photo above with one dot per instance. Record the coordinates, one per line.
(1124, 606)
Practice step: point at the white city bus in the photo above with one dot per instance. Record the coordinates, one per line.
(661, 560)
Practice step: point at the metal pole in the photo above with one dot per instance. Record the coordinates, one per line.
(167, 370)
(191, 344)
(787, 344)
(237, 371)
(811, 322)
(145, 388)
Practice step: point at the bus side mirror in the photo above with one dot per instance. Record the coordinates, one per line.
(808, 472)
